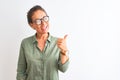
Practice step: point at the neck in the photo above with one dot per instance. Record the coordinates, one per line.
(42, 36)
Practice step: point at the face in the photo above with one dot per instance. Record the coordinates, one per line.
(40, 22)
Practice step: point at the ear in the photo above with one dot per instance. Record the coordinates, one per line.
(32, 26)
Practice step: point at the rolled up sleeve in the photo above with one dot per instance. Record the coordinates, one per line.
(63, 67)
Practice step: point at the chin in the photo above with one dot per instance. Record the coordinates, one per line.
(46, 32)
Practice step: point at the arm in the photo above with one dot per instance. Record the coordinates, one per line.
(21, 67)
(63, 62)
(61, 42)
(64, 58)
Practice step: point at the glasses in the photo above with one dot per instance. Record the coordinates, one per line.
(39, 21)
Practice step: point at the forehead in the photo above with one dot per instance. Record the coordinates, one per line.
(38, 14)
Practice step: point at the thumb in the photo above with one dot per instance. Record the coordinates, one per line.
(65, 36)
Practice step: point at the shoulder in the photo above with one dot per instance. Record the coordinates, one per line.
(28, 40)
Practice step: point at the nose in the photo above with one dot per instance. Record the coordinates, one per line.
(43, 22)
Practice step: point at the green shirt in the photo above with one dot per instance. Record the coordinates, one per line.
(36, 65)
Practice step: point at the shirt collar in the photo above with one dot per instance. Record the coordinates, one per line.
(49, 38)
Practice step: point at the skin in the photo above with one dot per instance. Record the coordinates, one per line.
(42, 35)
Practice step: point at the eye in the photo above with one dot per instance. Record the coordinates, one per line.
(46, 18)
(38, 21)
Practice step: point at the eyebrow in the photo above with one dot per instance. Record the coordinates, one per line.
(40, 18)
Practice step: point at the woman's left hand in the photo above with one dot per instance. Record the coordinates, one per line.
(61, 42)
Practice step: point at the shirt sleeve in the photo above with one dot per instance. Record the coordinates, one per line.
(63, 67)
(21, 67)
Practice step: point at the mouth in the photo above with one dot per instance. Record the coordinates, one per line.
(44, 28)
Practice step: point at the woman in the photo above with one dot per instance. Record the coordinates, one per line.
(41, 55)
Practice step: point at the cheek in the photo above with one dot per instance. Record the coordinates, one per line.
(48, 25)
(35, 27)
(39, 27)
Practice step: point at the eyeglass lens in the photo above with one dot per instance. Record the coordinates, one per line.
(39, 21)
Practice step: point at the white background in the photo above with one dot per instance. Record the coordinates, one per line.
(93, 28)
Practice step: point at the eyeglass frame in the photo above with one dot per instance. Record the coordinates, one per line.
(42, 19)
